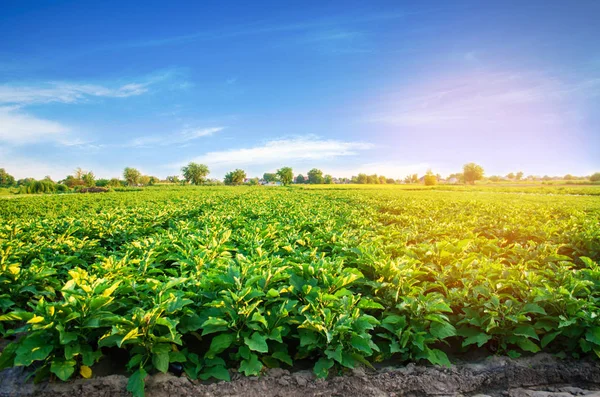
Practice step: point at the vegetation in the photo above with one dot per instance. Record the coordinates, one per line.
(132, 176)
(236, 177)
(234, 278)
(430, 179)
(315, 176)
(472, 172)
(285, 175)
(195, 173)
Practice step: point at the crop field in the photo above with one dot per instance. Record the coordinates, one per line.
(207, 281)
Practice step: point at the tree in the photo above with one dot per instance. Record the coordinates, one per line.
(362, 179)
(270, 177)
(114, 182)
(315, 177)
(131, 176)
(173, 179)
(300, 179)
(253, 182)
(494, 178)
(595, 177)
(390, 181)
(568, 177)
(235, 178)
(430, 179)
(6, 180)
(195, 173)
(89, 179)
(511, 175)
(328, 179)
(373, 179)
(519, 175)
(382, 180)
(144, 180)
(102, 182)
(472, 172)
(286, 175)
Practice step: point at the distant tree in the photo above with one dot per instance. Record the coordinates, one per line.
(546, 178)
(511, 175)
(131, 176)
(253, 181)
(472, 172)
(78, 174)
(300, 179)
(362, 179)
(114, 182)
(315, 177)
(382, 180)
(153, 180)
(494, 178)
(173, 179)
(414, 178)
(144, 180)
(568, 177)
(430, 179)
(6, 180)
(595, 177)
(236, 177)
(373, 179)
(89, 179)
(390, 181)
(270, 177)
(286, 175)
(328, 179)
(195, 173)
(102, 182)
(25, 182)
(519, 175)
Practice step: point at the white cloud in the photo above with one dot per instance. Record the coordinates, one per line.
(17, 128)
(186, 135)
(284, 151)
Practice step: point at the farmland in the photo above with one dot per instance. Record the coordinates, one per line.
(206, 280)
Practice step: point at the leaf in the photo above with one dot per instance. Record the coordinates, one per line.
(473, 336)
(161, 361)
(369, 304)
(213, 325)
(63, 369)
(593, 335)
(527, 331)
(527, 345)
(361, 344)
(219, 344)
(322, 367)
(218, 372)
(549, 338)
(85, 371)
(442, 330)
(35, 320)
(283, 357)
(251, 366)
(533, 308)
(437, 357)
(257, 342)
(130, 335)
(135, 385)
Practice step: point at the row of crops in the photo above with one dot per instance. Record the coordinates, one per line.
(213, 280)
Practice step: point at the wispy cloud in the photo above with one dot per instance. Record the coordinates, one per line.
(72, 92)
(287, 150)
(18, 128)
(184, 136)
(480, 99)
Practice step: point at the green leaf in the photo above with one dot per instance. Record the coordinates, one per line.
(63, 369)
(136, 384)
(527, 331)
(473, 336)
(593, 335)
(549, 338)
(533, 308)
(322, 367)
(257, 342)
(437, 357)
(283, 357)
(527, 345)
(251, 366)
(442, 330)
(361, 344)
(213, 325)
(218, 372)
(369, 304)
(161, 361)
(335, 354)
(219, 344)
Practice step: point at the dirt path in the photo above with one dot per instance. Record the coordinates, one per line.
(538, 376)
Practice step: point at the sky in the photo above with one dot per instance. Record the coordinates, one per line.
(386, 87)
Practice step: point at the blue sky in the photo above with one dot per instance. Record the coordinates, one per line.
(378, 87)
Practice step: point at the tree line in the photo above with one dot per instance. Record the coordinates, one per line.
(197, 174)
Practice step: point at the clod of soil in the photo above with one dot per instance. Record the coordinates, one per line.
(541, 375)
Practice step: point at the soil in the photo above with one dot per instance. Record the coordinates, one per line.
(541, 375)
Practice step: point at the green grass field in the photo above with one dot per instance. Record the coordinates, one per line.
(213, 279)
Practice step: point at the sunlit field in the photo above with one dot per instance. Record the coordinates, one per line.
(247, 278)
